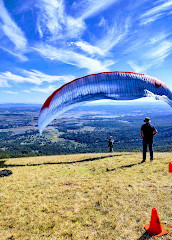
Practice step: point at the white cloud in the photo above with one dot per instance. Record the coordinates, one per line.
(16, 54)
(88, 48)
(102, 22)
(158, 38)
(159, 52)
(136, 68)
(152, 54)
(151, 19)
(55, 24)
(48, 89)
(11, 30)
(114, 35)
(162, 7)
(51, 16)
(11, 92)
(26, 91)
(8, 76)
(34, 77)
(90, 8)
(148, 50)
(156, 12)
(4, 83)
(74, 27)
(40, 77)
(73, 58)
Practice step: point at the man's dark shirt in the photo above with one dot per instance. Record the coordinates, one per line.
(148, 131)
(111, 142)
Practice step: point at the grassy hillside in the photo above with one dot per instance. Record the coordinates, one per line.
(84, 196)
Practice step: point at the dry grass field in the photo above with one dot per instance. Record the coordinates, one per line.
(84, 196)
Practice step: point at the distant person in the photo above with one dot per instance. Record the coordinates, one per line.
(111, 143)
(147, 133)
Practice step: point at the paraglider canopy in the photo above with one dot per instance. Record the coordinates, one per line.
(116, 85)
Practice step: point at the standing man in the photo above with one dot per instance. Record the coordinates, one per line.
(110, 145)
(147, 133)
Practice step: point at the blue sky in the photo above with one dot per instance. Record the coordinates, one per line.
(46, 43)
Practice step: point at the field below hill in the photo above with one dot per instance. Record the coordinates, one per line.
(85, 129)
(84, 196)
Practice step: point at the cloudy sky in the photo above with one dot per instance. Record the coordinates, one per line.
(46, 43)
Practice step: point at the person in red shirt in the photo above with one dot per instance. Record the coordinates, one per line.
(147, 133)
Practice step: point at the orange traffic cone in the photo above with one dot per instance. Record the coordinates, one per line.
(155, 229)
(170, 167)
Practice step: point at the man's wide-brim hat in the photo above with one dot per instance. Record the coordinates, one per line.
(147, 119)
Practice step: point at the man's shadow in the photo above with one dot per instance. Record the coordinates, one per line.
(3, 165)
(125, 166)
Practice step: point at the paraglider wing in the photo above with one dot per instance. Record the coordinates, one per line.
(107, 85)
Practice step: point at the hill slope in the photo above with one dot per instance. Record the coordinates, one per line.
(84, 196)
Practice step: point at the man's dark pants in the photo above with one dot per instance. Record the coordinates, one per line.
(145, 143)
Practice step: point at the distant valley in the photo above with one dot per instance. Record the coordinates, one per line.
(84, 129)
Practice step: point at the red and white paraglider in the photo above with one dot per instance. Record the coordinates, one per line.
(107, 85)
